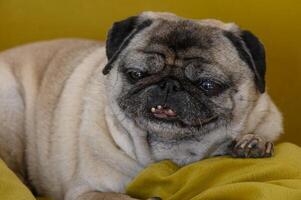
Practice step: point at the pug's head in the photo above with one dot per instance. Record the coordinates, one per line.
(178, 78)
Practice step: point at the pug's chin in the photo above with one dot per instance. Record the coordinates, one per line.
(175, 122)
(175, 129)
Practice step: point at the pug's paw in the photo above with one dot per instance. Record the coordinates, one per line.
(251, 146)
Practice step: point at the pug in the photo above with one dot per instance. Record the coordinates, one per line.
(80, 119)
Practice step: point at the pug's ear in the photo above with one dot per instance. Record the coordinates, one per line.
(119, 37)
(116, 35)
(252, 51)
(257, 52)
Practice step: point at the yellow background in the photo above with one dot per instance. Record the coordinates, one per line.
(276, 22)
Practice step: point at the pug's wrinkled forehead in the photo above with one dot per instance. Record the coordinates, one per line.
(177, 40)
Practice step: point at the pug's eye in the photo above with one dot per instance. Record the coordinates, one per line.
(135, 75)
(211, 88)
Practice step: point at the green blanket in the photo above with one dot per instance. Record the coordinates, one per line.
(11, 188)
(220, 178)
(224, 178)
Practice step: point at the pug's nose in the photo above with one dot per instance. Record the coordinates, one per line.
(170, 85)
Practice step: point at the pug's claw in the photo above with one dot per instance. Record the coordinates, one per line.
(269, 149)
(252, 146)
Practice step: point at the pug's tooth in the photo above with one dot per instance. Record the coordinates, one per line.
(153, 109)
(159, 107)
(170, 111)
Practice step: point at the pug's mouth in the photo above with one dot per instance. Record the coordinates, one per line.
(167, 114)
(163, 112)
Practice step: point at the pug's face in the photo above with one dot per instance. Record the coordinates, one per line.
(182, 78)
